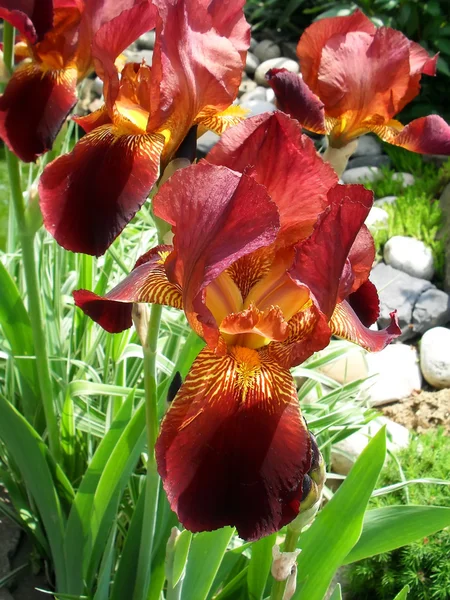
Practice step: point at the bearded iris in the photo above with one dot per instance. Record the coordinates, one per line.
(88, 196)
(267, 263)
(354, 79)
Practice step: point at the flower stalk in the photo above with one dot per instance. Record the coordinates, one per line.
(26, 238)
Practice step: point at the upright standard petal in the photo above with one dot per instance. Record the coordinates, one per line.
(298, 184)
(147, 282)
(30, 128)
(233, 448)
(321, 259)
(217, 216)
(88, 196)
(33, 18)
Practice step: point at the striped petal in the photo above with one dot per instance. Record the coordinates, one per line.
(88, 196)
(33, 18)
(30, 128)
(427, 135)
(296, 99)
(233, 448)
(345, 324)
(147, 282)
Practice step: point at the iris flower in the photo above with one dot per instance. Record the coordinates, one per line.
(354, 79)
(267, 263)
(88, 196)
(55, 54)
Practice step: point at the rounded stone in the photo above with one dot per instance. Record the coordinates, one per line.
(368, 146)
(251, 63)
(97, 87)
(259, 93)
(257, 107)
(385, 200)
(410, 256)
(274, 63)
(146, 41)
(266, 49)
(406, 178)
(361, 174)
(377, 218)
(435, 357)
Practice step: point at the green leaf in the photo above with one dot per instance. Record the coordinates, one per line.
(181, 551)
(259, 567)
(30, 455)
(403, 593)
(205, 555)
(391, 527)
(338, 525)
(337, 593)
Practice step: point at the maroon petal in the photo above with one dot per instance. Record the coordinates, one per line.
(88, 196)
(29, 128)
(296, 99)
(33, 18)
(365, 303)
(427, 135)
(147, 282)
(233, 448)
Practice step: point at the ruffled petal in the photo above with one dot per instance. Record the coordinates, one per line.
(300, 181)
(296, 99)
(211, 120)
(217, 216)
(197, 63)
(345, 324)
(233, 448)
(263, 325)
(420, 61)
(88, 196)
(33, 18)
(147, 282)
(365, 303)
(321, 259)
(427, 135)
(308, 333)
(30, 128)
(316, 36)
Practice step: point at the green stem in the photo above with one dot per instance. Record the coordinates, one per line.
(290, 544)
(33, 291)
(8, 46)
(152, 479)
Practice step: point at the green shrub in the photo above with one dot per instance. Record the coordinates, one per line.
(423, 565)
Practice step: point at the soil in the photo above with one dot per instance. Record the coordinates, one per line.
(422, 411)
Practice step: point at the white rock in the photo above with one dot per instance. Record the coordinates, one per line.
(410, 256)
(251, 63)
(345, 453)
(386, 200)
(377, 218)
(274, 63)
(266, 49)
(270, 95)
(435, 357)
(256, 107)
(396, 373)
(406, 178)
(361, 174)
(259, 93)
(146, 41)
(247, 85)
(253, 44)
(97, 86)
(368, 146)
(350, 367)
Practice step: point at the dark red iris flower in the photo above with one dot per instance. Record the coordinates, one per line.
(54, 51)
(88, 196)
(268, 262)
(354, 79)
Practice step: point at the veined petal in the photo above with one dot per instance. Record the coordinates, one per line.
(88, 196)
(218, 122)
(300, 182)
(217, 216)
(308, 333)
(93, 120)
(427, 135)
(147, 282)
(233, 448)
(321, 259)
(296, 99)
(30, 128)
(33, 18)
(256, 327)
(345, 323)
(314, 38)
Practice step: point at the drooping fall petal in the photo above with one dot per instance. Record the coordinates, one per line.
(33, 18)
(427, 135)
(217, 216)
(30, 128)
(88, 196)
(345, 323)
(321, 259)
(298, 184)
(296, 99)
(365, 303)
(233, 448)
(147, 282)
